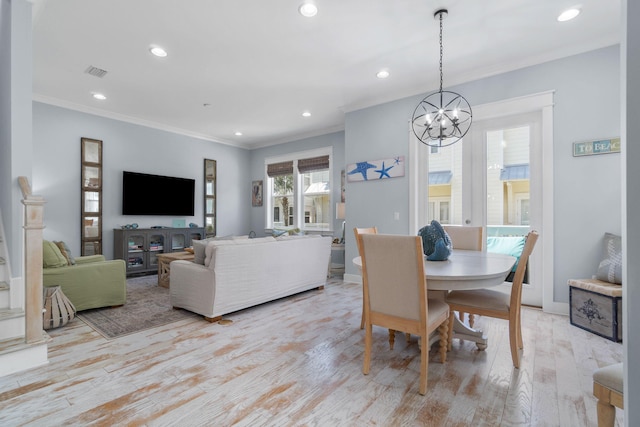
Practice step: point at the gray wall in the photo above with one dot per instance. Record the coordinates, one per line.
(587, 190)
(15, 119)
(335, 140)
(631, 223)
(56, 172)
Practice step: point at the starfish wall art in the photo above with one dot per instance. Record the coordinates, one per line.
(376, 169)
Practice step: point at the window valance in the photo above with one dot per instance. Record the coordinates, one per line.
(313, 164)
(279, 169)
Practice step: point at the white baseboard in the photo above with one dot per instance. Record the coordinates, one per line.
(554, 307)
(352, 278)
(24, 359)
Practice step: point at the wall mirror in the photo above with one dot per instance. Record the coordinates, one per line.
(210, 197)
(91, 197)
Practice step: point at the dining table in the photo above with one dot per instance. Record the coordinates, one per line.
(464, 270)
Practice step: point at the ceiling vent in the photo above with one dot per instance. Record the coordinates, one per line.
(95, 71)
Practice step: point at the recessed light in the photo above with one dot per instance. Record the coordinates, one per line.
(306, 114)
(382, 74)
(99, 96)
(308, 10)
(158, 51)
(569, 14)
(238, 134)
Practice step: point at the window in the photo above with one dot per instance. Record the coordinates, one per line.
(298, 191)
(439, 209)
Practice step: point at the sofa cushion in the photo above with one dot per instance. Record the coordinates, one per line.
(210, 250)
(199, 247)
(610, 268)
(51, 256)
(265, 239)
(66, 252)
(507, 245)
(295, 236)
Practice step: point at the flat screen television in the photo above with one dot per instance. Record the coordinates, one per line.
(144, 194)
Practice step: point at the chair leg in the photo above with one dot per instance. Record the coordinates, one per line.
(606, 414)
(472, 320)
(424, 364)
(461, 316)
(450, 325)
(392, 338)
(367, 349)
(513, 341)
(443, 330)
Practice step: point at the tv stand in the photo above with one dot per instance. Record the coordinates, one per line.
(140, 247)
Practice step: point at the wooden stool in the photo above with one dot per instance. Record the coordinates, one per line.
(608, 389)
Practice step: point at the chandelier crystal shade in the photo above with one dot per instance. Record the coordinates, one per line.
(443, 117)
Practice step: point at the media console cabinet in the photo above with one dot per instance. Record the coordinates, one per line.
(140, 247)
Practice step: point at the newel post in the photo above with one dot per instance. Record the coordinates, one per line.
(33, 226)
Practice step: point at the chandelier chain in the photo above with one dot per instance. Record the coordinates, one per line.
(441, 52)
(444, 117)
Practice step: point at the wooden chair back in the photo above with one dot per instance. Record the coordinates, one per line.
(396, 295)
(395, 283)
(518, 278)
(359, 231)
(464, 237)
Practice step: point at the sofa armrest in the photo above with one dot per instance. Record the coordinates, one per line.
(90, 285)
(89, 259)
(192, 287)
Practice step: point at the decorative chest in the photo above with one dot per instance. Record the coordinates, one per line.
(596, 306)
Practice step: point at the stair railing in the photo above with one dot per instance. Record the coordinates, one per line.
(33, 226)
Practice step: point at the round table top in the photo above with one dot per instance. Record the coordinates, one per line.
(465, 270)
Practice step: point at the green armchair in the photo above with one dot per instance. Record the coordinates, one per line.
(90, 282)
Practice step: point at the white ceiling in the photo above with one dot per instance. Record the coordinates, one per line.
(258, 64)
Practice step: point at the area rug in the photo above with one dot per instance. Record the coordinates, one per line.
(148, 306)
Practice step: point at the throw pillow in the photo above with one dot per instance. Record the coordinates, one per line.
(51, 256)
(198, 250)
(66, 252)
(275, 232)
(431, 234)
(610, 268)
(507, 245)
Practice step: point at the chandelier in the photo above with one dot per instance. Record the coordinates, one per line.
(443, 117)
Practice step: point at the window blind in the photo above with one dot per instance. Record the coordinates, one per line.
(279, 169)
(313, 164)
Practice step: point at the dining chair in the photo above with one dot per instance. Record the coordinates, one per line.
(464, 238)
(487, 302)
(358, 231)
(395, 295)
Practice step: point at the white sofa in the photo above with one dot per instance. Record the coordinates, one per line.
(241, 273)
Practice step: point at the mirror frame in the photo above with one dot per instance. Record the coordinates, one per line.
(210, 229)
(90, 243)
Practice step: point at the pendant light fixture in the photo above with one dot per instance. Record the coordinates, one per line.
(443, 117)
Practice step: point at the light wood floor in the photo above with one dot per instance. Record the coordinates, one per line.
(298, 362)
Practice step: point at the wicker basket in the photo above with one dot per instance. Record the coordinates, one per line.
(58, 310)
